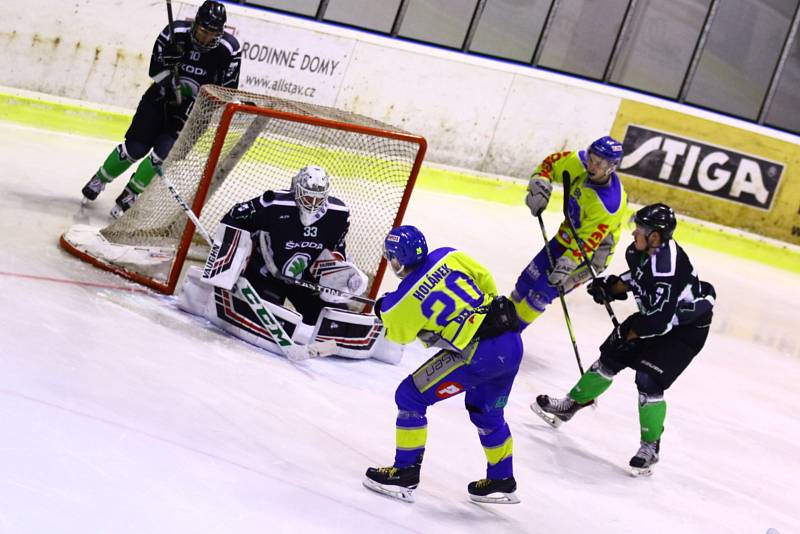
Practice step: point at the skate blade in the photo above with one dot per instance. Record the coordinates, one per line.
(396, 492)
(496, 498)
(85, 202)
(548, 418)
(637, 472)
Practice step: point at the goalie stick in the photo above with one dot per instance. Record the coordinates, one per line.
(286, 345)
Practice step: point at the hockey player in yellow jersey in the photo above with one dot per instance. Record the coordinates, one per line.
(448, 301)
(597, 210)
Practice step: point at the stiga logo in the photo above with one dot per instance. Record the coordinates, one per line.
(710, 169)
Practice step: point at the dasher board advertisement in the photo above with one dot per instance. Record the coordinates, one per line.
(706, 168)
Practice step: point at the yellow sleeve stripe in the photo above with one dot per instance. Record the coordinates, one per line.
(495, 455)
(411, 438)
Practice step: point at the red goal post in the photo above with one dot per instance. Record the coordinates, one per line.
(236, 145)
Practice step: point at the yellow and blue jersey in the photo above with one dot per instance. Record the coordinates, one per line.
(596, 211)
(439, 296)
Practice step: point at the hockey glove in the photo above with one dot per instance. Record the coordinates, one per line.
(600, 290)
(561, 270)
(602, 253)
(617, 342)
(538, 196)
(172, 54)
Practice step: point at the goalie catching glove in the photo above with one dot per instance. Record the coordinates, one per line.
(332, 271)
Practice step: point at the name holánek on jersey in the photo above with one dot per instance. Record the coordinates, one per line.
(430, 282)
(686, 163)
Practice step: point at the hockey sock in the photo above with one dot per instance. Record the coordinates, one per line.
(651, 420)
(411, 435)
(498, 447)
(590, 386)
(143, 175)
(115, 164)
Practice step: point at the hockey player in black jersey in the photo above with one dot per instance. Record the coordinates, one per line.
(292, 234)
(658, 342)
(201, 52)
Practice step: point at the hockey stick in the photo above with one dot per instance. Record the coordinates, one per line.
(286, 345)
(581, 247)
(175, 71)
(561, 296)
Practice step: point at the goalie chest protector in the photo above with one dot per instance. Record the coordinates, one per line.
(294, 246)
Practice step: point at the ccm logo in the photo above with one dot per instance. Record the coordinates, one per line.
(448, 389)
(702, 167)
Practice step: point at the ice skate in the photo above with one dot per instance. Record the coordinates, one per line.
(93, 188)
(556, 411)
(493, 491)
(124, 202)
(396, 482)
(644, 460)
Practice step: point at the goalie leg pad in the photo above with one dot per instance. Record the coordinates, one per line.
(231, 312)
(355, 334)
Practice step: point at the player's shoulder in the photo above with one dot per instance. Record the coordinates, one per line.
(337, 204)
(664, 263)
(181, 27)
(230, 43)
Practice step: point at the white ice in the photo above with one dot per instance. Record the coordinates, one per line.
(120, 414)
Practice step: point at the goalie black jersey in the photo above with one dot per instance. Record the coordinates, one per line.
(667, 291)
(220, 65)
(273, 221)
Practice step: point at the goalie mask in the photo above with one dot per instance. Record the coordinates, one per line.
(311, 187)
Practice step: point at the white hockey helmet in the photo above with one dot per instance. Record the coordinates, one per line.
(311, 187)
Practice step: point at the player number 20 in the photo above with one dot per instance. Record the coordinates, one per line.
(448, 303)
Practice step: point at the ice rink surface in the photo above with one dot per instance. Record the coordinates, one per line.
(121, 414)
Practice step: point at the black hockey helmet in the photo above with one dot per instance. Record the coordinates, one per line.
(658, 217)
(211, 16)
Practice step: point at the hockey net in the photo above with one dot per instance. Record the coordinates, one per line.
(236, 145)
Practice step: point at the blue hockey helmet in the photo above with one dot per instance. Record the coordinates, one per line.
(407, 244)
(607, 148)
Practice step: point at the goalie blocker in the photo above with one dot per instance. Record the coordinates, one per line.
(341, 332)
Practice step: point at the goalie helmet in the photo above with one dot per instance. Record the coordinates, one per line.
(311, 187)
(210, 17)
(406, 244)
(657, 217)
